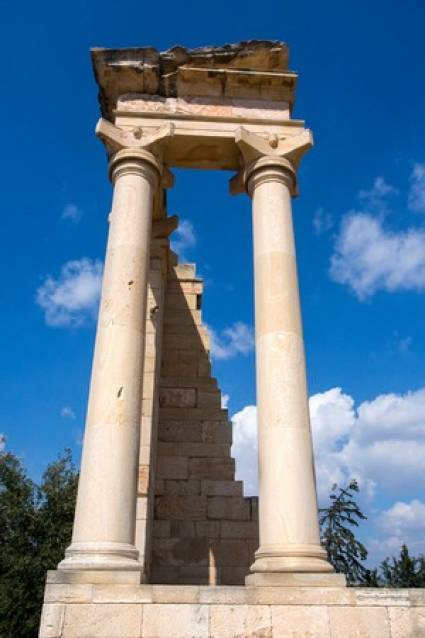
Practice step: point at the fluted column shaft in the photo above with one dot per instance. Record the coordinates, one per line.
(289, 529)
(104, 527)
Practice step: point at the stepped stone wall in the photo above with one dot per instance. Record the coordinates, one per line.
(203, 529)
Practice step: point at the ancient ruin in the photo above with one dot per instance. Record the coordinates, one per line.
(165, 543)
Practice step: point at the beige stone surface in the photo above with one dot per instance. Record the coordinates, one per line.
(103, 621)
(248, 621)
(175, 621)
(360, 622)
(407, 621)
(52, 619)
(300, 621)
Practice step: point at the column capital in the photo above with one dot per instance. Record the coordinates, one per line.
(130, 150)
(258, 152)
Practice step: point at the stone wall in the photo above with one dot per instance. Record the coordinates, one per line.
(204, 530)
(157, 611)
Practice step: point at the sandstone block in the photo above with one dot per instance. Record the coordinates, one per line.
(180, 301)
(407, 621)
(161, 529)
(141, 507)
(172, 621)
(102, 621)
(172, 468)
(52, 618)
(233, 574)
(159, 487)
(209, 529)
(183, 488)
(143, 480)
(193, 449)
(222, 488)
(359, 622)
(182, 529)
(183, 342)
(183, 317)
(231, 553)
(229, 508)
(217, 432)
(254, 507)
(181, 507)
(177, 397)
(204, 367)
(209, 399)
(188, 431)
(238, 529)
(212, 469)
(228, 621)
(289, 621)
(176, 552)
(192, 414)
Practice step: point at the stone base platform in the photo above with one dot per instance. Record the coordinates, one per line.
(130, 610)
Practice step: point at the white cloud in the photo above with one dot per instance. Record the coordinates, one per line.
(72, 212)
(368, 257)
(403, 522)
(322, 221)
(416, 196)
(67, 412)
(225, 398)
(73, 297)
(376, 196)
(381, 443)
(232, 341)
(244, 448)
(2, 442)
(183, 239)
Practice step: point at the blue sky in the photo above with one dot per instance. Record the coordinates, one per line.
(360, 232)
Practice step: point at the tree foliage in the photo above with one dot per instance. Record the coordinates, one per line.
(345, 552)
(35, 528)
(405, 571)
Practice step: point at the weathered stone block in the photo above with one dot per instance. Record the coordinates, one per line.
(407, 621)
(161, 529)
(233, 574)
(239, 529)
(180, 301)
(210, 529)
(359, 622)
(143, 480)
(183, 529)
(172, 467)
(216, 432)
(52, 619)
(212, 469)
(177, 397)
(227, 621)
(176, 552)
(193, 449)
(289, 621)
(172, 621)
(102, 621)
(222, 488)
(183, 488)
(230, 552)
(229, 508)
(209, 399)
(181, 507)
(187, 431)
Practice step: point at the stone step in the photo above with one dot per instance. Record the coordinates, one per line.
(195, 431)
(182, 448)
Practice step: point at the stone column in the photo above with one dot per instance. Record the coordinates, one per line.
(289, 529)
(104, 527)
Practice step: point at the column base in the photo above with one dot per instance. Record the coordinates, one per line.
(295, 579)
(101, 557)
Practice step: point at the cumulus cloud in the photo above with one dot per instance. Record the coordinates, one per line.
(67, 412)
(416, 196)
(403, 522)
(322, 221)
(225, 398)
(232, 341)
(72, 298)
(183, 239)
(381, 442)
(376, 197)
(245, 448)
(369, 257)
(72, 212)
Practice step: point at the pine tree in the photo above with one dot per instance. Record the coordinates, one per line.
(405, 571)
(345, 552)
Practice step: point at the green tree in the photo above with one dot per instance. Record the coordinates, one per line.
(35, 527)
(405, 571)
(337, 521)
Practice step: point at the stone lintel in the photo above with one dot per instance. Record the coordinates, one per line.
(248, 69)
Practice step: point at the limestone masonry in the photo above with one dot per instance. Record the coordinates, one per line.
(165, 544)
